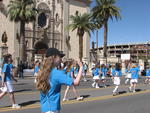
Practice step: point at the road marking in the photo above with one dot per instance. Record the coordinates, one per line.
(75, 101)
(37, 92)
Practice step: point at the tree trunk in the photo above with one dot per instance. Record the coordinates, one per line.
(105, 39)
(96, 45)
(80, 47)
(97, 39)
(22, 41)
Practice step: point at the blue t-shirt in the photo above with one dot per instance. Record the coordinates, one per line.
(70, 72)
(116, 73)
(76, 71)
(148, 72)
(104, 71)
(134, 73)
(51, 100)
(36, 69)
(96, 72)
(85, 67)
(126, 70)
(6, 70)
(11, 66)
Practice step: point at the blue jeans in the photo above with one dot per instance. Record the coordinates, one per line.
(20, 74)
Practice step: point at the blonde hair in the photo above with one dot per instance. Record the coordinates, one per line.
(42, 83)
(134, 65)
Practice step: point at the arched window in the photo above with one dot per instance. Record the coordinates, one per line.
(42, 20)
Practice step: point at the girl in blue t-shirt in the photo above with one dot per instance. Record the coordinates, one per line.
(96, 74)
(7, 85)
(69, 70)
(103, 73)
(134, 77)
(116, 74)
(147, 75)
(128, 74)
(36, 69)
(51, 78)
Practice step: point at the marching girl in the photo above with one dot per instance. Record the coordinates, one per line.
(96, 77)
(147, 76)
(128, 74)
(116, 78)
(36, 70)
(7, 77)
(69, 70)
(112, 69)
(51, 78)
(103, 75)
(134, 77)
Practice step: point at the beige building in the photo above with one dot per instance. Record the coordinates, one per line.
(48, 30)
(116, 53)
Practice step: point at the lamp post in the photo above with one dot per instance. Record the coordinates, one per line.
(93, 51)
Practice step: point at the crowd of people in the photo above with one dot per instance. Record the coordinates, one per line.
(53, 72)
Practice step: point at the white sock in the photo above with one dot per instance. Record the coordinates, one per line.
(115, 90)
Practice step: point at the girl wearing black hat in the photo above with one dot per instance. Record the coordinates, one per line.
(50, 79)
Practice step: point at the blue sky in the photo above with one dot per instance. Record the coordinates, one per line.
(134, 27)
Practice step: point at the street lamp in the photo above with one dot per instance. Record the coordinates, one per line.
(93, 51)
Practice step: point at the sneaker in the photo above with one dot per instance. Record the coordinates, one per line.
(105, 86)
(97, 87)
(134, 91)
(84, 80)
(79, 98)
(65, 99)
(93, 85)
(129, 89)
(114, 94)
(16, 106)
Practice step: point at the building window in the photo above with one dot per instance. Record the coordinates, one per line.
(42, 20)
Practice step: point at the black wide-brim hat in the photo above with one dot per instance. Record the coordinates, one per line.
(53, 51)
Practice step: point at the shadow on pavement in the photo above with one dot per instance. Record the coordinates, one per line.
(85, 96)
(23, 90)
(29, 102)
(122, 92)
(138, 90)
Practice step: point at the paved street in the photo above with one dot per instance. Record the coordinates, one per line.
(95, 100)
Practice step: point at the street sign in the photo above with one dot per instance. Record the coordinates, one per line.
(125, 56)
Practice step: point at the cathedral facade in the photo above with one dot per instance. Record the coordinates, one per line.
(47, 31)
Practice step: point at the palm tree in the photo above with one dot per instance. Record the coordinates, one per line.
(106, 10)
(22, 11)
(98, 23)
(82, 24)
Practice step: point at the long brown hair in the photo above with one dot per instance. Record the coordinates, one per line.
(42, 83)
(69, 65)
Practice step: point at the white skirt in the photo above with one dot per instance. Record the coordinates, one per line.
(117, 80)
(96, 78)
(133, 81)
(128, 75)
(8, 87)
(103, 77)
(53, 112)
